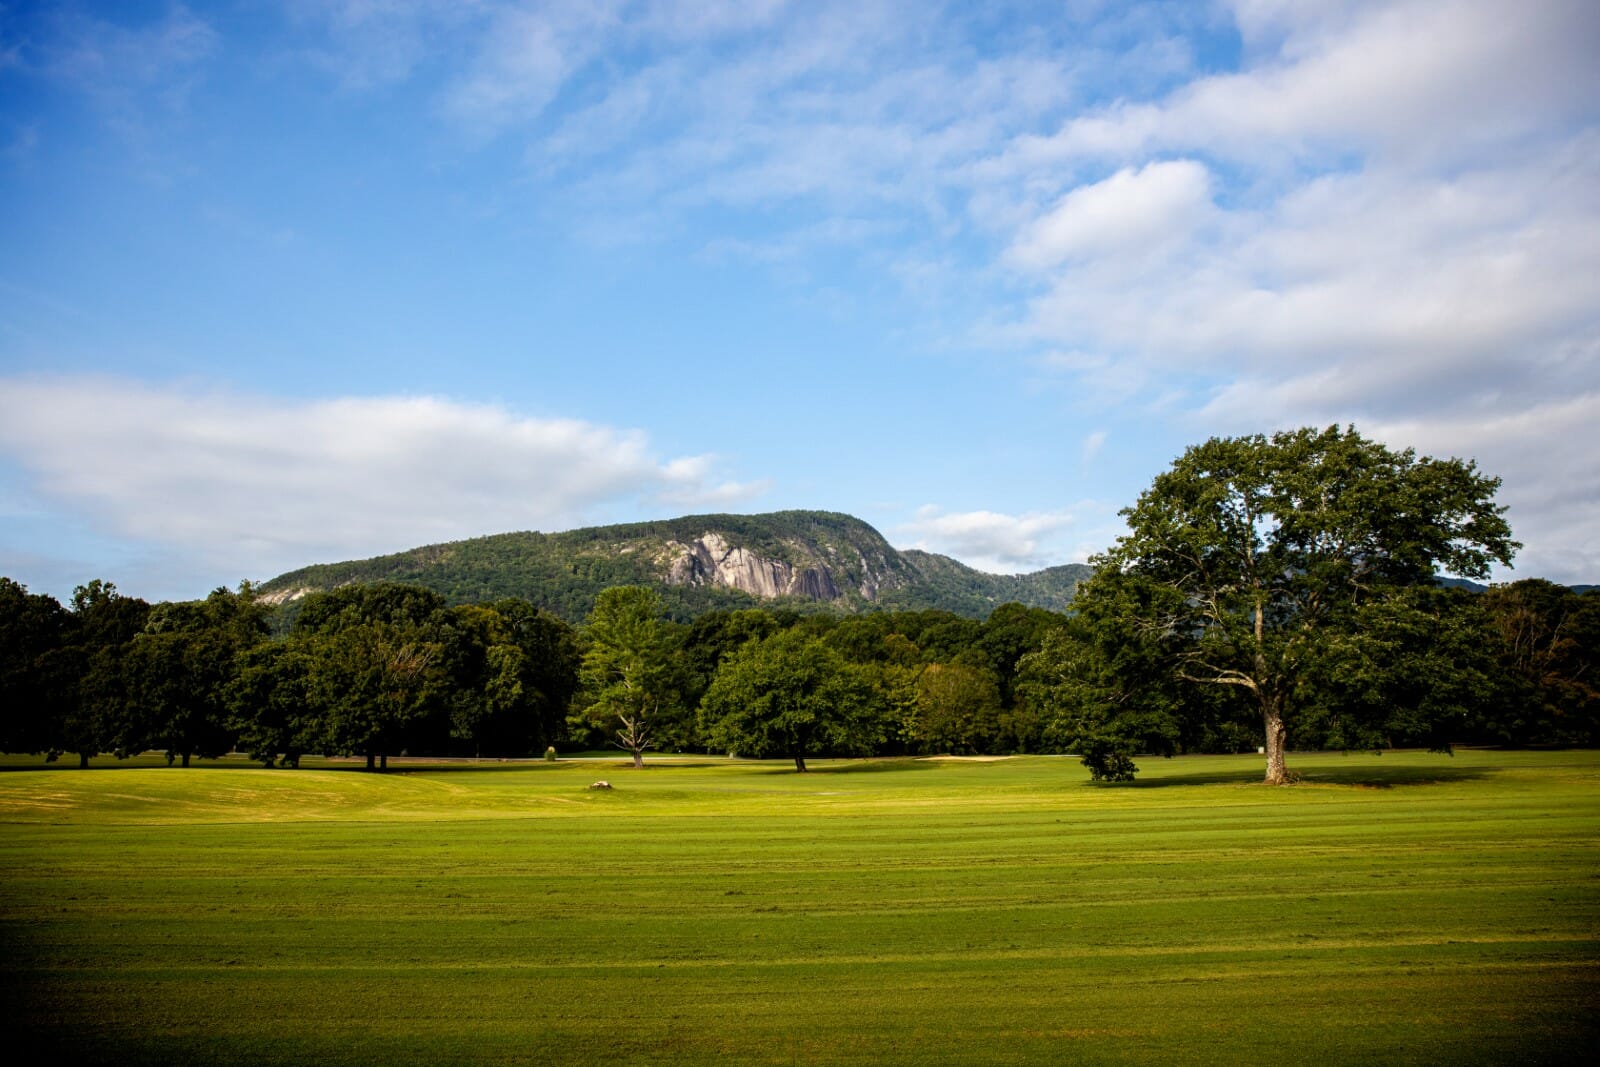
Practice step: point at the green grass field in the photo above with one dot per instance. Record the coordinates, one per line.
(1408, 908)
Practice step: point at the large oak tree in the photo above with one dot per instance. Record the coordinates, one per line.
(1254, 559)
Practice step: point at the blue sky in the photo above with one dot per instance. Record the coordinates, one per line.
(284, 283)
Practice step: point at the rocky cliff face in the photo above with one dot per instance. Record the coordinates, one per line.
(699, 563)
(284, 595)
(710, 560)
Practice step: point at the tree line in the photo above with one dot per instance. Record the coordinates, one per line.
(365, 671)
(1271, 592)
(373, 671)
(378, 670)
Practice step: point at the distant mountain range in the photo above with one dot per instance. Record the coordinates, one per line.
(806, 560)
(1479, 587)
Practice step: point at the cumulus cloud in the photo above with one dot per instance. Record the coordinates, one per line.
(1399, 226)
(1445, 284)
(989, 540)
(260, 485)
(1420, 80)
(1127, 213)
(1386, 212)
(1548, 456)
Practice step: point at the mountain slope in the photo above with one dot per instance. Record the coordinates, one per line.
(807, 560)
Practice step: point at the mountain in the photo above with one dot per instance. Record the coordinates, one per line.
(1461, 583)
(1479, 587)
(805, 560)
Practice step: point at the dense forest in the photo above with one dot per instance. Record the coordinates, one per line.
(1270, 594)
(386, 669)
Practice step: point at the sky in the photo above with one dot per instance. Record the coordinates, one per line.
(298, 282)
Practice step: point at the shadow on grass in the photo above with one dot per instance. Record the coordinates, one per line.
(1371, 777)
(1365, 776)
(111, 763)
(861, 766)
(357, 765)
(611, 766)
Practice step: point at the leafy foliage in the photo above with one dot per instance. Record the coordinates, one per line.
(791, 695)
(1254, 560)
(270, 704)
(1546, 642)
(1096, 683)
(87, 676)
(179, 669)
(957, 709)
(1265, 586)
(32, 628)
(630, 676)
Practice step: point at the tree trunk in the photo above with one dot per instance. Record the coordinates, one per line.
(1277, 734)
(383, 762)
(638, 759)
(800, 762)
(186, 759)
(83, 761)
(1271, 698)
(372, 761)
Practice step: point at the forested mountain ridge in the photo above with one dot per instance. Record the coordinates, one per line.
(807, 560)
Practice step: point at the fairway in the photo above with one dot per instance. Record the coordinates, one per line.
(1408, 908)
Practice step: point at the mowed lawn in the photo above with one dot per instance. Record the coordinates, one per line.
(1408, 908)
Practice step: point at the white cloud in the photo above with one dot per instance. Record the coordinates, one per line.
(690, 482)
(1092, 445)
(1128, 213)
(1548, 456)
(261, 485)
(841, 107)
(988, 540)
(1425, 79)
(1399, 284)
(1388, 214)
(524, 58)
(1401, 229)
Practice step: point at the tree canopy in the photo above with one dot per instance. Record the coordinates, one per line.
(629, 675)
(1253, 558)
(791, 695)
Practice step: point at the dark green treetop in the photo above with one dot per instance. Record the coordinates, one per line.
(791, 695)
(1260, 554)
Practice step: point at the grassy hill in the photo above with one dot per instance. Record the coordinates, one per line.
(805, 560)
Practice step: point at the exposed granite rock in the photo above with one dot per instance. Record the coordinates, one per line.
(710, 560)
(283, 596)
